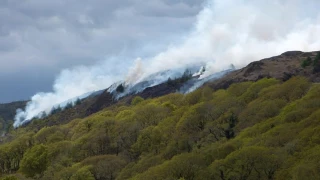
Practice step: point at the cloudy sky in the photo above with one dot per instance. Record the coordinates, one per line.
(39, 38)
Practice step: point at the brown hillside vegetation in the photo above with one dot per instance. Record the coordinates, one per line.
(281, 67)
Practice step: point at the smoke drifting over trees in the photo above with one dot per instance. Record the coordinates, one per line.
(226, 32)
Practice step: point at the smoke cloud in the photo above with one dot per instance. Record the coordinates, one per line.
(226, 32)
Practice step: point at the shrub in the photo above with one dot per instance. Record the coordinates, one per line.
(306, 62)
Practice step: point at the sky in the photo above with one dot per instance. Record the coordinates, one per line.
(40, 38)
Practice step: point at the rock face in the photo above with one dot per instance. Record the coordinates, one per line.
(281, 67)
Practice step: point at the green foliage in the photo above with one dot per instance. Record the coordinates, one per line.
(83, 174)
(307, 168)
(77, 102)
(253, 91)
(194, 97)
(49, 135)
(186, 76)
(10, 178)
(150, 115)
(68, 106)
(307, 62)
(179, 81)
(55, 110)
(136, 100)
(2, 123)
(239, 88)
(184, 166)
(247, 163)
(149, 140)
(35, 161)
(141, 166)
(229, 132)
(316, 63)
(291, 90)
(104, 167)
(316, 59)
(170, 82)
(252, 130)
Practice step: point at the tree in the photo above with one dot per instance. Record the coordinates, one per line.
(56, 110)
(149, 140)
(120, 88)
(306, 62)
(316, 63)
(2, 124)
(83, 174)
(316, 59)
(150, 114)
(68, 105)
(183, 166)
(42, 115)
(186, 76)
(10, 178)
(248, 163)
(136, 100)
(77, 102)
(229, 132)
(105, 167)
(170, 82)
(35, 161)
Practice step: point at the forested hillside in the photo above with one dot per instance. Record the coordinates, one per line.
(253, 130)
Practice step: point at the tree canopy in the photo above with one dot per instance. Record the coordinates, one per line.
(253, 130)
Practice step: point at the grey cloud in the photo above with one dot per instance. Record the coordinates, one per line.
(52, 35)
(218, 38)
(167, 9)
(15, 87)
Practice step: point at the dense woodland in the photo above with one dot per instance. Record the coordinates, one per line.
(253, 130)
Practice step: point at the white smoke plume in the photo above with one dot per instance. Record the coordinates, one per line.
(135, 72)
(226, 32)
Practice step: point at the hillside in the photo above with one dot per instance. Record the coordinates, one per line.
(260, 122)
(7, 113)
(280, 67)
